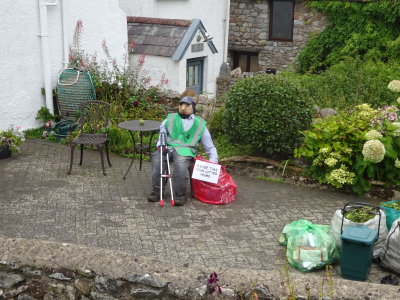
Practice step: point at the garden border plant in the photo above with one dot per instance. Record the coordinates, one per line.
(127, 89)
(356, 147)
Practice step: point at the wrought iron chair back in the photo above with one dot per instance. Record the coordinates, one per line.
(94, 117)
(93, 129)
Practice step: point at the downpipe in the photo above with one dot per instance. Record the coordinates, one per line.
(44, 37)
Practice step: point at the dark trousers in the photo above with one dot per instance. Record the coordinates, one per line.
(180, 172)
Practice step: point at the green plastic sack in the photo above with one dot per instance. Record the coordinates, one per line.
(391, 213)
(293, 229)
(309, 246)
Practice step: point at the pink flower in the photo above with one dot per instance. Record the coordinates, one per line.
(141, 59)
(135, 104)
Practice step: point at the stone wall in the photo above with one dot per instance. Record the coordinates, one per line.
(34, 269)
(224, 83)
(248, 31)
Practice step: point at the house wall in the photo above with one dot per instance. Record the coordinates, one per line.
(21, 78)
(158, 68)
(214, 16)
(175, 71)
(248, 31)
(151, 68)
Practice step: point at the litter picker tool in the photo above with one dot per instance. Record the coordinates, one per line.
(163, 148)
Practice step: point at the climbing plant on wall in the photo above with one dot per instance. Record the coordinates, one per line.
(369, 30)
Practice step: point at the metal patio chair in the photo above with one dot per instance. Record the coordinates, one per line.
(93, 129)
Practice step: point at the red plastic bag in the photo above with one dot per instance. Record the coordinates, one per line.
(222, 192)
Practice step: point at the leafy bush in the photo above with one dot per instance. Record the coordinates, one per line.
(354, 147)
(267, 112)
(216, 124)
(349, 83)
(366, 30)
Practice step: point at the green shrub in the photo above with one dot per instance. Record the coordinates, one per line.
(349, 84)
(216, 124)
(354, 147)
(267, 112)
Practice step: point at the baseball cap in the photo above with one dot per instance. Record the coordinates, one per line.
(188, 100)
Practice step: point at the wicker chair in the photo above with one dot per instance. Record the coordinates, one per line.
(93, 126)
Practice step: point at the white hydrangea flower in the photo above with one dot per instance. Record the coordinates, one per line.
(330, 161)
(317, 162)
(396, 132)
(340, 177)
(397, 163)
(373, 135)
(373, 151)
(324, 150)
(394, 86)
(365, 111)
(347, 150)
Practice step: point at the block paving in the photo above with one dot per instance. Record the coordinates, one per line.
(40, 201)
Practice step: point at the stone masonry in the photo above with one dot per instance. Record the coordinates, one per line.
(248, 31)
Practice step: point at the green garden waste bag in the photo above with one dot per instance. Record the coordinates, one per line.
(309, 246)
(293, 229)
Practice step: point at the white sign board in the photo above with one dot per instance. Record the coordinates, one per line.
(206, 171)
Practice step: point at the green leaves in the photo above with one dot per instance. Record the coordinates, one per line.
(267, 112)
(365, 30)
(334, 146)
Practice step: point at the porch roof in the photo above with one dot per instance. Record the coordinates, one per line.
(163, 37)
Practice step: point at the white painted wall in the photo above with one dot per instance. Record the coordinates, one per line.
(214, 15)
(21, 75)
(155, 66)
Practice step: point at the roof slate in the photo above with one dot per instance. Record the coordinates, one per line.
(155, 36)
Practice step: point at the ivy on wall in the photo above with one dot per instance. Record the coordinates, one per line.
(369, 30)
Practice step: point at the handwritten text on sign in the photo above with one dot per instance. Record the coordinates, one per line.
(206, 171)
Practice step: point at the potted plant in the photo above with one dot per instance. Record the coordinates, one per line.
(10, 141)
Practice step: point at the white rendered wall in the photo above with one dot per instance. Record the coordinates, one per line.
(21, 75)
(152, 68)
(214, 15)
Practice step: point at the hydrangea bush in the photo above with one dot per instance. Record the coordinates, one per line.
(355, 147)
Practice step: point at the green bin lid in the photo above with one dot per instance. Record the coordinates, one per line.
(360, 233)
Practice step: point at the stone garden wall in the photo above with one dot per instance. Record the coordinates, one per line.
(35, 269)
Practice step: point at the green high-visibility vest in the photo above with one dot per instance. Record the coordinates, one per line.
(184, 142)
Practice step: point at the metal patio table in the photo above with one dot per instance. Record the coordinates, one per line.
(134, 125)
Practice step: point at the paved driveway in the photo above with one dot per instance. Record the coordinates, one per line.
(40, 201)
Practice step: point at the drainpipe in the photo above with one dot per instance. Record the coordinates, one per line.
(44, 36)
(226, 29)
(64, 33)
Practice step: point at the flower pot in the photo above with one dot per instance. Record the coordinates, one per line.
(5, 151)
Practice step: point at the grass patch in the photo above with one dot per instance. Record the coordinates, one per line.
(280, 180)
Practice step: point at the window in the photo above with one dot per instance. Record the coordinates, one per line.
(281, 20)
(194, 74)
(247, 61)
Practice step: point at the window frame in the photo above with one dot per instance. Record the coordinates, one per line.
(199, 62)
(235, 58)
(271, 11)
